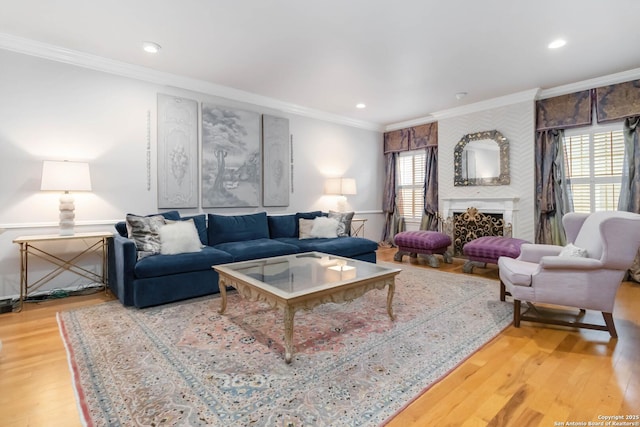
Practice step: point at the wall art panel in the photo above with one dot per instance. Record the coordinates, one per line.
(177, 152)
(275, 149)
(231, 165)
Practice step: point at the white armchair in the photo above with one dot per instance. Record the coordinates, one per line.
(541, 275)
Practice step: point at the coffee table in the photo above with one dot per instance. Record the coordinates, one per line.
(304, 281)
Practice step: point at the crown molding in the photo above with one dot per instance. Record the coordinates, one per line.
(98, 63)
(610, 79)
(529, 95)
(502, 101)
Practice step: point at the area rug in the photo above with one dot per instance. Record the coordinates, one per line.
(185, 364)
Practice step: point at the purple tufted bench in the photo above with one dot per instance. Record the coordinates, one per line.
(425, 243)
(488, 249)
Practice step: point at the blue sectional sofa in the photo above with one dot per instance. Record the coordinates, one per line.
(160, 279)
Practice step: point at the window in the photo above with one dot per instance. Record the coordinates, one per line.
(593, 161)
(410, 179)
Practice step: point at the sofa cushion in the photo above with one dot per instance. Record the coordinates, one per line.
(237, 228)
(515, 271)
(121, 227)
(341, 246)
(162, 265)
(282, 225)
(258, 248)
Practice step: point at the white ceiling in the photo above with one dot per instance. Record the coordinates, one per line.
(404, 59)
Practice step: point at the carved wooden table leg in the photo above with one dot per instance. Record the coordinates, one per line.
(289, 312)
(392, 288)
(223, 295)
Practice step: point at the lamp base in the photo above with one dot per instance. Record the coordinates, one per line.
(67, 214)
(342, 204)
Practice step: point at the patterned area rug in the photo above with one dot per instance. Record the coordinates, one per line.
(184, 364)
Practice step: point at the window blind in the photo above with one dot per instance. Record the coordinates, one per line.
(594, 167)
(411, 170)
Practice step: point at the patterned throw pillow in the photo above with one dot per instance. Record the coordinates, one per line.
(145, 232)
(344, 222)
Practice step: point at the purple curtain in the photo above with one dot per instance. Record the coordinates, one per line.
(552, 189)
(630, 189)
(392, 221)
(430, 213)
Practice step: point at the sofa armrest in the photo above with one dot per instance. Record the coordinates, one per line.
(570, 263)
(124, 261)
(531, 252)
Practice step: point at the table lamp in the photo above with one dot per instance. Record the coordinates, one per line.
(65, 176)
(341, 187)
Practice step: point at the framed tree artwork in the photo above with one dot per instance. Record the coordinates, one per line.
(231, 162)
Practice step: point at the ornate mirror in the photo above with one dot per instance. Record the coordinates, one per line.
(482, 158)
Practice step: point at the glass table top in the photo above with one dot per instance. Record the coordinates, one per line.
(301, 274)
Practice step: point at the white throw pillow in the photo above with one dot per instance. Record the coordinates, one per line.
(574, 251)
(179, 237)
(324, 227)
(305, 226)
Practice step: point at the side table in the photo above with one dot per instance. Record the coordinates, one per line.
(357, 227)
(29, 247)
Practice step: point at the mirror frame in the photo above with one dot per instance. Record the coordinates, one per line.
(503, 144)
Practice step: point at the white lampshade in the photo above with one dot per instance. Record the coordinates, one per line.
(348, 186)
(340, 186)
(65, 176)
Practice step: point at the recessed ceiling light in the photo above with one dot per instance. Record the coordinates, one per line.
(557, 44)
(361, 105)
(151, 47)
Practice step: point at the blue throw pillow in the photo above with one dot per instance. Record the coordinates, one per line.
(237, 228)
(282, 226)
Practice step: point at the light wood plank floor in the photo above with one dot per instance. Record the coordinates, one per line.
(532, 376)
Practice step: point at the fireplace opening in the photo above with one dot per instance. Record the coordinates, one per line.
(466, 226)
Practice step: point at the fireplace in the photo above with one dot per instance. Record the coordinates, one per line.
(468, 219)
(471, 224)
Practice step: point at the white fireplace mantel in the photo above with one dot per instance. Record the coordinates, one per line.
(507, 206)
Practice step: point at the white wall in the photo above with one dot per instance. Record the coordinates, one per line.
(52, 110)
(516, 123)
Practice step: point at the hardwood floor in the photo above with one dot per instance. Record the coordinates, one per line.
(532, 376)
(538, 375)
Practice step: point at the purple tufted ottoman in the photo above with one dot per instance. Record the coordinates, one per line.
(425, 243)
(488, 249)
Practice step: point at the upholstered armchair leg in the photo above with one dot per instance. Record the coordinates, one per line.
(608, 319)
(502, 291)
(516, 313)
